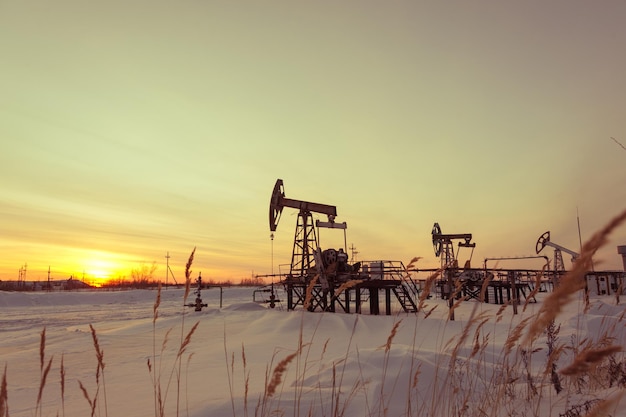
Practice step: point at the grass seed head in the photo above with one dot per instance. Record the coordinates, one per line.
(346, 285)
(428, 284)
(96, 345)
(187, 340)
(42, 382)
(188, 274)
(309, 291)
(62, 373)
(515, 335)
(392, 335)
(412, 263)
(42, 348)
(4, 395)
(277, 375)
(585, 360)
(157, 303)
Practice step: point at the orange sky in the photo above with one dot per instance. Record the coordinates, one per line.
(130, 131)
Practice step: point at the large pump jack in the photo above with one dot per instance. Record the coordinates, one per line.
(316, 277)
(305, 241)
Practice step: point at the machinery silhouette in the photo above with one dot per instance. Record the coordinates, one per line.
(558, 265)
(318, 277)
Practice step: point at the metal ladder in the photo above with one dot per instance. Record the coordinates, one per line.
(404, 297)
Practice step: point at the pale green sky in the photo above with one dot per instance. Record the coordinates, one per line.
(133, 128)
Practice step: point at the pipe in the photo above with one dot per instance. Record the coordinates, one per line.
(514, 258)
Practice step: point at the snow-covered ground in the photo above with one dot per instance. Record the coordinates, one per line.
(347, 364)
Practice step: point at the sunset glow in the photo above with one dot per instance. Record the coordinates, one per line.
(94, 267)
(102, 270)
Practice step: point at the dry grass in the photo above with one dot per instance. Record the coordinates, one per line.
(157, 303)
(346, 285)
(92, 403)
(43, 370)
(536, 288)
(99, 376)
(188, 275)
(468, 389)
(555, 350)
(62, 379)
(485, 286)
(606, 406)
(246, 378)
(585, 360)
(392, 335)
(277, 374)
(153, 376)
(4, 395)
(183, 340)
(515, 335)
(42, 383)
(309, 292)
(427, 289)
(99, 352)
(42, 348)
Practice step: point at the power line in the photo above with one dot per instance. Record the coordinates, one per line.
(618, 142)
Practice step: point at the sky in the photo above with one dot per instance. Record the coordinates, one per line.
(134, 129)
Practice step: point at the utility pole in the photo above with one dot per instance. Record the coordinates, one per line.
(167, 268)
(21, 278)
(353, 252)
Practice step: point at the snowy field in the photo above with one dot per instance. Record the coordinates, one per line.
(345, 364)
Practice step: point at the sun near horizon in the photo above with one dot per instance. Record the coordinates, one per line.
(102, 271)
(94, 267)
(99, 267)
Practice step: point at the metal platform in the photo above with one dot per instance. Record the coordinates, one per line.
(386, 282)
(351, 300)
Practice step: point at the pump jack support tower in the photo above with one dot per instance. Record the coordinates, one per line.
(305, 240)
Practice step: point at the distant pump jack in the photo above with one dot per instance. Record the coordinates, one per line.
(559, 265)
